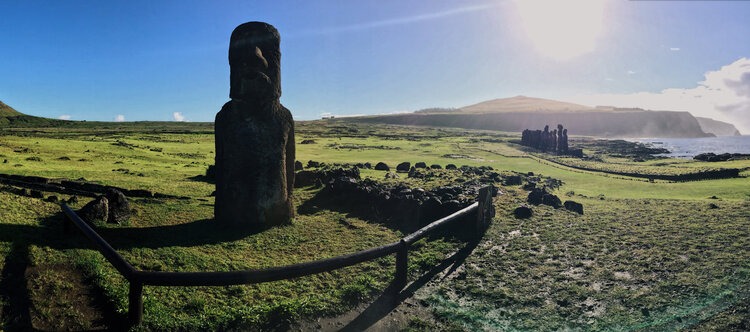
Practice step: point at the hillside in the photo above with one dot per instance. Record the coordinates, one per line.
(519, 113)
(6, 111)
(717, 128)
(523, 104)
(10, 118)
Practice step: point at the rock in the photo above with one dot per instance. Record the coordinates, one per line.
(420, 164)
(367, 165)
(381, 166)
(297, 165)
(119, 208)
(254, 135)
(513, 180)
(36, 194)
(96, 210)
(450, 166)
(436, 166)
(72, 200)
(713, 206)
(52, 199)
(403, 167)
(535, 196)
(211, 172)
(391, 175)
(305, 178)
(573, 206)
(552, 200)
(312, 164)
(523, 212)
(307, 141)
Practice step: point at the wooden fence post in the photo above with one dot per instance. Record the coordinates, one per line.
(402, 266)
(135, 303)
(486, 210)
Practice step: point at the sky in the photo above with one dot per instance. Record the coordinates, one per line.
(167, 60)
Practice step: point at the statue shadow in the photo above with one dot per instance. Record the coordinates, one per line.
(393, 295)
(202, 178)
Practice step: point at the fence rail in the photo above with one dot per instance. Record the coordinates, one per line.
(137, 279)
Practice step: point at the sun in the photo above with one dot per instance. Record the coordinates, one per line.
(562, 29)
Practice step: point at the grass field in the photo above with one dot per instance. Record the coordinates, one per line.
(644, 256)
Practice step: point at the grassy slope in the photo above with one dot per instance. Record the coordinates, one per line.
(646, 254)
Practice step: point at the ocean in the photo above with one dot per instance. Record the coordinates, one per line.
(690, 147)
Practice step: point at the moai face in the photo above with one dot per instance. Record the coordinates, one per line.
(254, 61)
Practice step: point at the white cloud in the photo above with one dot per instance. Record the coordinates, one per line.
(119, 118)
(630, 72)
(177, 116)
(64, 117)
(674, 49)
(724, 95)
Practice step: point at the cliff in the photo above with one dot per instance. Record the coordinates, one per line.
(717, 128)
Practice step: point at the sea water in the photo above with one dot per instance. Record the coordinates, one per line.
(690, 147)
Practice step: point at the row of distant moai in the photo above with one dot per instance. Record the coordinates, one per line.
(545, 140)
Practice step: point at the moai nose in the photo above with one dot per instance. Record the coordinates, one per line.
(258, 59)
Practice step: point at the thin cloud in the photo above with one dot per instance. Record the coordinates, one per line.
(674, 49)
(64, 117)
(120, 118)
(630, 72)
(401, 20)
(724, 95)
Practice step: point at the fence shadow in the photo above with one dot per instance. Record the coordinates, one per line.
(393, 296)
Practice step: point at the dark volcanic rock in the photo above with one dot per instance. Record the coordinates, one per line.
(513, 180)
(381, 166)
(307, 141)
(436, 166)
(420, 164)
(574, 206)
(255, 146)
(523, 212)
(119, 208)
(541, 196)
(450, 166)
(98, 209)
(298, 165)
(403, 167)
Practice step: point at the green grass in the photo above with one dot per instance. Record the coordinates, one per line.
(643, 256)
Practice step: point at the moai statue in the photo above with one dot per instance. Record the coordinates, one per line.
(254, 135)
(558, 142)
(564, 145)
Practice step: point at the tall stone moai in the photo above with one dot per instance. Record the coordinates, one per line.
(254, 135)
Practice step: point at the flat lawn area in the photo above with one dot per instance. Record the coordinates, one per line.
(643, 256)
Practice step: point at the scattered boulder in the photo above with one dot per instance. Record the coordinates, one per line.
(713, 206)
(52, 199)
(36, 194)
(436, 166)
(307, 141)
(211, 172)
(403, 167)
(367, 165)
(573, 206)
(312, 164)
(391, 175)
(420, 164)
(541, 196)
(451, 166)
(523, 212)
(297, 165)
(119, 208)
(381, 166)
(98, 209)
(513, 180)
(72, 200)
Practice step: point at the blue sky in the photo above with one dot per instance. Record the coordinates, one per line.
(162, 60)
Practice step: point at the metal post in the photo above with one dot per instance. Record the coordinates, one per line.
(402, 268)
(135, 303)
(486, 210)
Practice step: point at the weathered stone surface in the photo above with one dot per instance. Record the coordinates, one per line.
(119, 208)
(381, 166)
(450, 166)
(436, 166)
(255, 150)
(523, 212)
(513, 180)
(96, 210)
(541, 196)
(307, 141)
(420, 164)
(298, 165)
(403, 167)
(574, 206)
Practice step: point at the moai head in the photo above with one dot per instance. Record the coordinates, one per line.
(546, 128)
(255, 63)
(559, 128)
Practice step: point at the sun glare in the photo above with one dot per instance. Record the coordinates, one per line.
(562, 29)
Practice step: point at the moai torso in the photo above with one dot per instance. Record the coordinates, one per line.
(254, 135)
